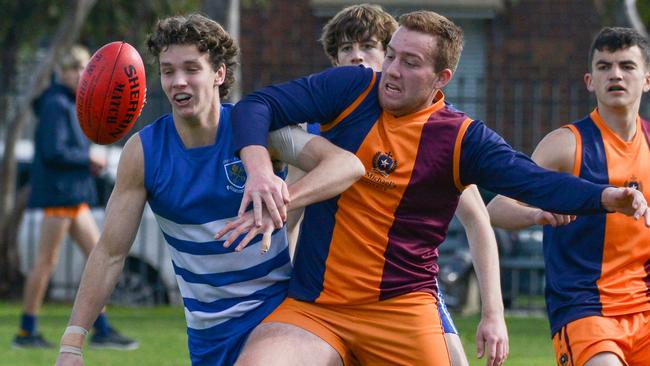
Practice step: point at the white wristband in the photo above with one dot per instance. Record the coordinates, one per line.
(74, 329)
(70, 349)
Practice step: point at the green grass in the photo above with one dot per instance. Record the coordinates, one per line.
(163, 341)
(530, 342)
(160, 330)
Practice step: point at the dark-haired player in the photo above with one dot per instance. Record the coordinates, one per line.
(598, 267)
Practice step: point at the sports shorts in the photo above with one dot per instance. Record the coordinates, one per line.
(404, 330)
(627, 336)
(66, 211)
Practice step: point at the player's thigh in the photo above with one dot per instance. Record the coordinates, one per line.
(593, 338)
(404, 330)
(604, 359)
(456, 351)
(84, 231)
(281, 344)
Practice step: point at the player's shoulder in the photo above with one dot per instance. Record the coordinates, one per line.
(557, 150)
(354, 77)
(131, 166)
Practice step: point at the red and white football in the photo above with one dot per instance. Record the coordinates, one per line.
(111, 93)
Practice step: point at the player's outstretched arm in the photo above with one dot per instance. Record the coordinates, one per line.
(104, 265)
(510, 214)
(330, 171)
(555, 152)
(491, 334)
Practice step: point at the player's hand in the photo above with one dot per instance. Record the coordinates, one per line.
(492, 339)
(628, 201)
(245, 224)
(548, 218)
(69, 359)
(263, 188)
(97, 163)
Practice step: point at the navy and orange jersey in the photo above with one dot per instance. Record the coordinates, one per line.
(600, 264)
(379, 238)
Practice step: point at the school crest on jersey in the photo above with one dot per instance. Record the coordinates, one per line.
(635, 183)
(384, 163)
(236, 175)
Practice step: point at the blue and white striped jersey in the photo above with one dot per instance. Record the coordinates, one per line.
(193, 194)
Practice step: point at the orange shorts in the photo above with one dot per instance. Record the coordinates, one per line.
(67, 211)
(627, 336)
(404, 330)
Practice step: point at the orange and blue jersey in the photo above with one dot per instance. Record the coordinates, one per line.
(379, 238)
(600, 264)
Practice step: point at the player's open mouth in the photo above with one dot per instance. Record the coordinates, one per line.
(391, 88)
(615, 88)
(182, 98)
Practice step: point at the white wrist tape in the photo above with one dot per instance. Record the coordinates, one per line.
(73, 329)
(70, 349)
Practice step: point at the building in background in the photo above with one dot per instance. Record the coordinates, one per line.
(521, 70)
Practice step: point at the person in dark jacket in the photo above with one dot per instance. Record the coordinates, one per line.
(62, 185)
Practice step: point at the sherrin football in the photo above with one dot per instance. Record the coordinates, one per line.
(111, 93)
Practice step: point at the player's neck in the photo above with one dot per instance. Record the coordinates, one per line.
(200, 130)
(621, 120)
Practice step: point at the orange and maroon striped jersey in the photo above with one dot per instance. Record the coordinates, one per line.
(379, 238)
(600, 264)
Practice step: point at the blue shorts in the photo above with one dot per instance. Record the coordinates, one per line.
(221, 345)
(224, 352)
(445, 318)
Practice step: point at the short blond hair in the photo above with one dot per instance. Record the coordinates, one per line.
(75, 58)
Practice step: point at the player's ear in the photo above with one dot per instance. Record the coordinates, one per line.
(588, 80)
(442, 78)
(646, 84)
(221, 75)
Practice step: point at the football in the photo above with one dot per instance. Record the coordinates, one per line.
(111, 93)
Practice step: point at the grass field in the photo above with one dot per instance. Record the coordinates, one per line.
(161, 332)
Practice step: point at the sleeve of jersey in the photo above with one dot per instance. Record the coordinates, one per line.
(488, 161)
(318, 98)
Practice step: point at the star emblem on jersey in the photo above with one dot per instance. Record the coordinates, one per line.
(635, 183)
(384, 163)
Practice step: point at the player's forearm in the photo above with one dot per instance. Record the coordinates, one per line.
(256, 160)
(97, 283)
(509, 214)
(331, 176)
(483, 247)
(485, 257)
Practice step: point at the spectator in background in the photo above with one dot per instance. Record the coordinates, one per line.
(62, 185)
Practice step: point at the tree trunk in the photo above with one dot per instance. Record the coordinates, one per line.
(632, 14)
(66, 34)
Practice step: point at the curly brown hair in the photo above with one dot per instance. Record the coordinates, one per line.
(449, 36)
(208, 36)
(357, 23)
